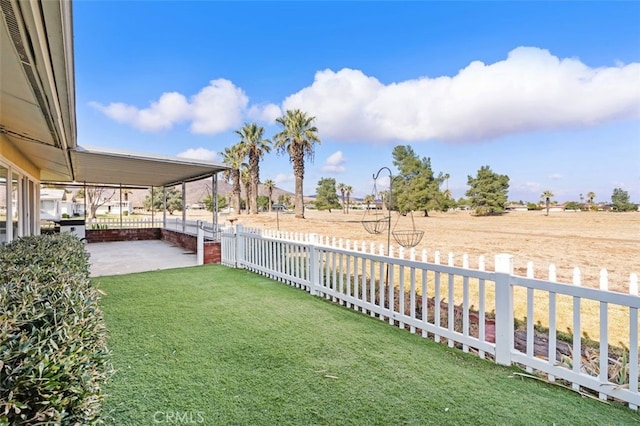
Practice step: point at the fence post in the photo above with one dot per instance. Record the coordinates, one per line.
(239, 246)
(314, 265)
(504, 308)
(200, 244)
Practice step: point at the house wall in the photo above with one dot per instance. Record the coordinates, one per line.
(19, 194)
(12, 155)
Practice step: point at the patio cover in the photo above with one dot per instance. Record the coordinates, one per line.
(114, 167)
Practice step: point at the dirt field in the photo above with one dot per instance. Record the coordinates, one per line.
(588, 240)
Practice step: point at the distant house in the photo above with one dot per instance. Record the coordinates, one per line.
(115, 207)
(556, 208)
(197, 206)
(56, 203)
(516, 208)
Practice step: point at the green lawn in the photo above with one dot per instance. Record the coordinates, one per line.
(213, 345)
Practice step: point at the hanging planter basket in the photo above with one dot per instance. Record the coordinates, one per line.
(409, 238)
(376, 226)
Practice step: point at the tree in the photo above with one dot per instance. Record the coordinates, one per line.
(245, 178)
(297, 139)
(368, 199)
(263, 202)
(285, 199)
(463, 203)
(533, 206)
(253, 145)
(208, 202)
(572, 205)
(326, 196)
(488, 192)
(96, 197)
(233, 157)
(621, 202)
(348, 190)
(341, 188)
(591, 196)
(547, 196)
(154, 200)
(269, 186)
(416, 187)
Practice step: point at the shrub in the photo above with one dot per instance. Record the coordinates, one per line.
(53, 353)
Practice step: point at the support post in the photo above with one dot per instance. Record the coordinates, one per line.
(504, 308)
(153, 217)
(120, 209)
(214, 200)
(184, 207)
(164, 207)
(200, 244)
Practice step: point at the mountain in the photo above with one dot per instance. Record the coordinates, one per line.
(197, 191)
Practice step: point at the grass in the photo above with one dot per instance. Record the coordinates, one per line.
(214, 345)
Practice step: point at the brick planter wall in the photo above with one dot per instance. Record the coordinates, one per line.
(187, 242)
(212, 249)
(212, 252)
(108, 235)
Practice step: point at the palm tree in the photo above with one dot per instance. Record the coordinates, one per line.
(254, 146)
(446, 178)
(341, 187)
(546, 196)
(348, 189)
(384, 198)
(297, 139)
(285, 199)
(232, 157)
(269, 185)
(245, 178)
(590, 197)
(368, 199)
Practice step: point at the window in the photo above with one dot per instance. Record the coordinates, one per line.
(3, 204)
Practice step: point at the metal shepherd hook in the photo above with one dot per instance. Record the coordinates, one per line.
(389, 204)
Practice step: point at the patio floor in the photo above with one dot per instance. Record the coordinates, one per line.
(125, 257)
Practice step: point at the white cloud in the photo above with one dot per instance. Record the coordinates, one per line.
(218, 107)
(283, 178)
(555, 176)
(169, 109)
(334, 163)
(530, 90)
(200, 154)
(265, 113)
(528, 186)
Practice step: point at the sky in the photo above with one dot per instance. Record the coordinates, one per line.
(547, 93)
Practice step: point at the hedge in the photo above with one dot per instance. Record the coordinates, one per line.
(53, 353)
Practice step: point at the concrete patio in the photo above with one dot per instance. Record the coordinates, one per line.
(125, 257)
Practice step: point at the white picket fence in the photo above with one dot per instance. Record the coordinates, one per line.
(390, 287)
(126, 222)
